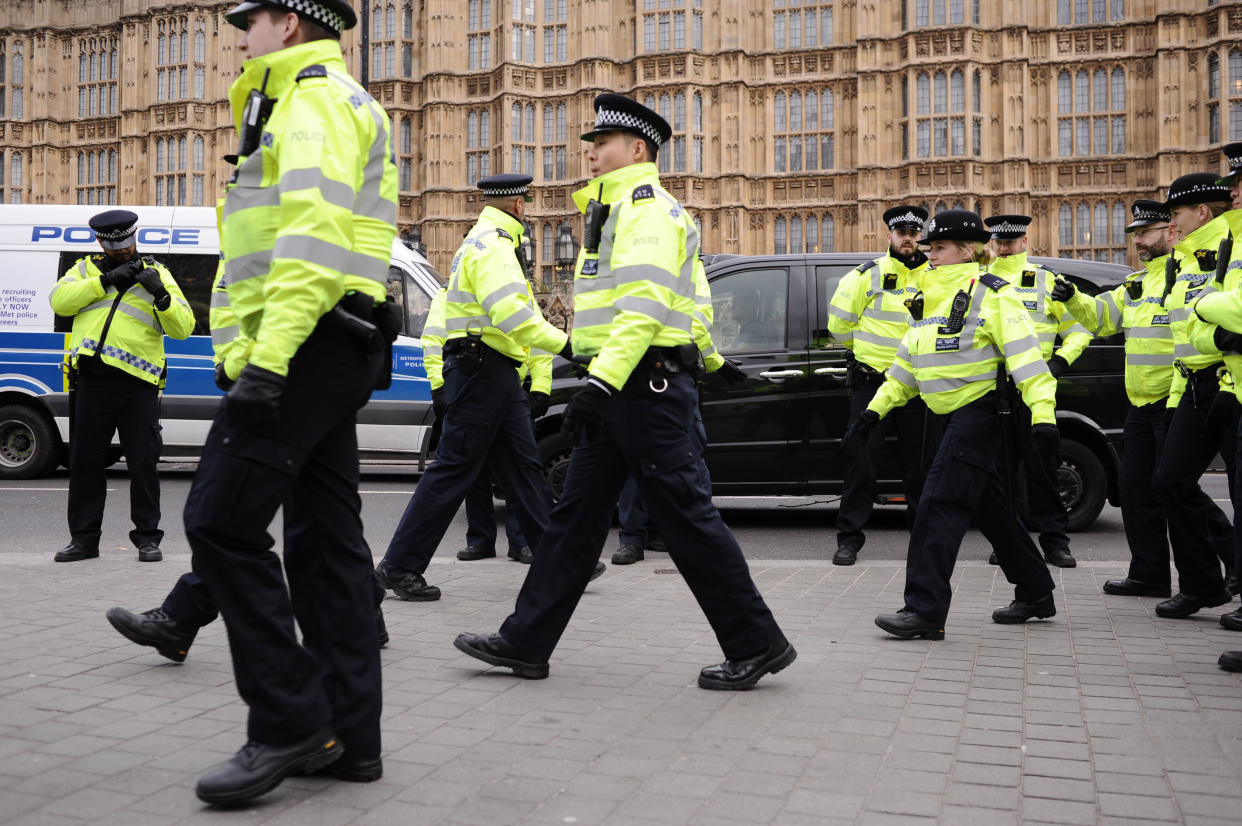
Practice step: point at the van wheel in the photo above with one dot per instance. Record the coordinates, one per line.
(555, 449)
(29, 444)
(1083, 484)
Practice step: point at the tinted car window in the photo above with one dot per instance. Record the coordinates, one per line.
(827, 276)
(750, 310)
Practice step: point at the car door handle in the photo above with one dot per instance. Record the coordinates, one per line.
(781, 374)
(835, 372)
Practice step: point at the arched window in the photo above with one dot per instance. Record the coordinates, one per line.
(549, 123)
(812, 233)
(517, 122)
(1100, 84)
(779, 232)
(81, 168)
(111, 164)
(562, 123)
(697, 112)
(795, 112)
(679, 112)
(1119, 89)
(159, 155)
(826, 110)
(1101, 224)
(1084, 224)
(472, 131)
(812, 111)
(529, 130)
(1213, 63)
(921, 17)
(1082, 91)
(1065, 93)
(485, 128)
(795, 234)
(977, 83)
(1119, 225)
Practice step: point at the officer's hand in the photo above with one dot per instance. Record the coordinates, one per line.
(1226, 341)
(255, 397)
(567, 352)
(1223, 414)
(732, 372)
(150, 279)
(584, 418)
(1046, 438)
(123, 275)
(856, 434)
(538, 404)
(438, 404)
(1063, 289)
(222, 378)
(1057, 366)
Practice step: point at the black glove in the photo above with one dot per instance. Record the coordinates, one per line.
(150, 279)
(1046, 438)
(123, 275)
(567, 352)
(1062, 289)
(255, 396)
(389, 319)
(1057, 366)
(1223, 413)
(732, 372)
(438, 404)
(584, 418)
(538, 404)
(222, 378)
(856, 434)
(1227, 341)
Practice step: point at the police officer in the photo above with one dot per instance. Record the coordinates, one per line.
(634, 305)
(1136, 309)
(308, 225)
(1034, 284)
(867, 316)
(492, 323)
(1204, 418)
(969, 329)
(122, 306)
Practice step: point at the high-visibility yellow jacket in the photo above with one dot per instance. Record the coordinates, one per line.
(1145, 323)
(1195, 257)
(488, 293)
(312, 214)
(538, 362)
(637, 290)
(867, 313)
(1034, 286)
(952, 370)
(135, 342)
(704, 315)
(1200, 326)
(221, 319)
(433, 342)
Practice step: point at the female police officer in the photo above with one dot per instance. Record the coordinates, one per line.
(969, 329)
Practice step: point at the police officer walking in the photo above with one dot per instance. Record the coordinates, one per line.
(867, 316)
(308, 226)
(969, 328)
(1136, 309)
(492, 323)
(1204, 418)
(122, 306)
(1034, 285)
(634, 305)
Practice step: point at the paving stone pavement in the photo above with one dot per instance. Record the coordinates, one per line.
(1104, 715)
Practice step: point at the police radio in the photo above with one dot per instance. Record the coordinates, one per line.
(957, 314)
(596, 215)
(254, 117)
(1222, 258)
(1170, 276)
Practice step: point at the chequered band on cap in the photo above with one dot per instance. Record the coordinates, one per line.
(320, 14)
(1019, 229)
(908, 218)
(612, 119)
(505, 190)
(117, 234)
(1145, 214)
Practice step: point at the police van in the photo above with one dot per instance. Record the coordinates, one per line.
(39, 243)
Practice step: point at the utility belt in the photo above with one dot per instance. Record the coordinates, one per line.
(374, 327)
(673, 361)
(1201, 383)
(471, 352)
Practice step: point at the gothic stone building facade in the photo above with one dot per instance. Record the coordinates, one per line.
(796, 122)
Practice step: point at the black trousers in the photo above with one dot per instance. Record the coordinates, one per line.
(306, 462)
(650, 436)
(487, 424)
(1048, 516)
(912, 424)
(962, 486)
(1142, 512)
(189, 602)
(481, 517)
(1199, 531)
(109, 401)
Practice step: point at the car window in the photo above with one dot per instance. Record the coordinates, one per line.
(827, 276)
(749, 309)
(415, 303)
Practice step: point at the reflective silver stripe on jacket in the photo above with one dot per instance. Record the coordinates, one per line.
(1150, 359)
(847, 317)
(1162, 331)
(949, 384)
(316, 250)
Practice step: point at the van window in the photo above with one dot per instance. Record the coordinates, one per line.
(415, 303)
(749, 309)
(193, 274)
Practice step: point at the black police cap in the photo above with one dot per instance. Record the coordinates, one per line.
(1233, 154)
(114, 225)
(956, 225)
(1008, 227)
(617, 113)
(506, 185)
(1196, 188)
(334, 15)
(905, 216)
(1147, 213)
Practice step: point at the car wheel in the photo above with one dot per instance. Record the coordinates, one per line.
(555, 449)
(29, 444)
(1083, 484)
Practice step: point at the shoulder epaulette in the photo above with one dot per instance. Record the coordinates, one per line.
(642, 192)
(993, 282)
(315, 70)
(867, 266)
(503, 234)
